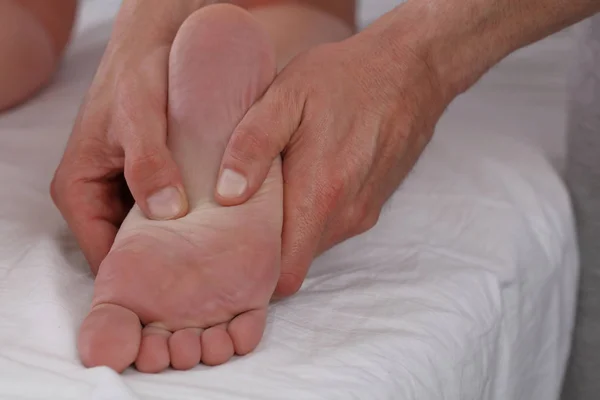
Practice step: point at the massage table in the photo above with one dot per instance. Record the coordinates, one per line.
(464, 290)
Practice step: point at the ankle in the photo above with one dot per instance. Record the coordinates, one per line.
(295, 28)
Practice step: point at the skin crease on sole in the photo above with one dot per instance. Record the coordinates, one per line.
(195, 290)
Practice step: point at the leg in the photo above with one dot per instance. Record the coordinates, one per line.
(33, 34)
(196, 289)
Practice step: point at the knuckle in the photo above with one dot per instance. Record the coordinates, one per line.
(363, 216)
(247, 144)
(61, 191)
(287, 97)
(58, 187)
(289, 283)
(370, 220)
(55, 190)
(332, 190)
(144, 167)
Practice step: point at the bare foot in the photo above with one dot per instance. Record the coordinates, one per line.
(195, 289)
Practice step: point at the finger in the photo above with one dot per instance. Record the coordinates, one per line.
(95, 238)
(306, 202)
(153, 176)
(260, 137)
(92, 211)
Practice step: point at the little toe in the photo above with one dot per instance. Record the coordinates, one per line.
(153, 356)
(246, 330)
(185, 349)
(109, 336)
(217, 347)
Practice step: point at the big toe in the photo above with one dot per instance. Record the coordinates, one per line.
(109, 336)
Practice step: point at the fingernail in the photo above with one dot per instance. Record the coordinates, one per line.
(231, 184)
(165, 204)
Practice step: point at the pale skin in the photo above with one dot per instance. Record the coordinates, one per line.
(204, 296)
(351, 118)
(33, 35)
(348, 119)
(397, 77)
(197, 304)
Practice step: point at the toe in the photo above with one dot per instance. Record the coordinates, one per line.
(247, 329)
(153, 356)
(184, 347)
(217, 347)
(109, 336)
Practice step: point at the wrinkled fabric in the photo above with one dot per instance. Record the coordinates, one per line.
(464, 290)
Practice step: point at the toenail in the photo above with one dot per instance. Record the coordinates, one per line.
(165, 204)
(231, 184)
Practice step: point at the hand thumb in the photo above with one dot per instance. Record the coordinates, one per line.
(261, 136)
(154, 180)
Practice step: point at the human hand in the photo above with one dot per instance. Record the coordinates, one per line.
(350, 119)
(117, 151)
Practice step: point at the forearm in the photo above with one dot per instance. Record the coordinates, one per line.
(461, 39)
(296, 26)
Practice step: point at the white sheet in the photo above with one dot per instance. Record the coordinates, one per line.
(464, 290)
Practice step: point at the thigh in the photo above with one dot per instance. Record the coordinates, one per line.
(583, 177)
